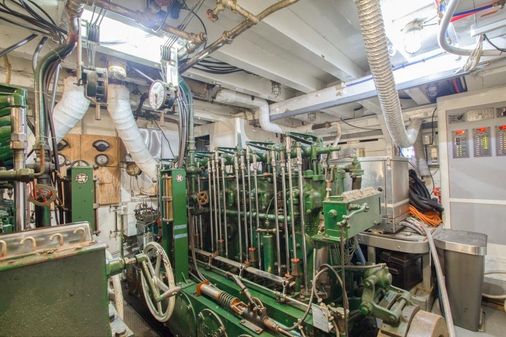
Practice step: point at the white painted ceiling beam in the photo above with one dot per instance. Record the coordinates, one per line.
(316, 48)
(245, 83)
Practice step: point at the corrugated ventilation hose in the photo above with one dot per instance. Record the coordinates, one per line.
(375, 41)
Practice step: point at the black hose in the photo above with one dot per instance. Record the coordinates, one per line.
(17, 44)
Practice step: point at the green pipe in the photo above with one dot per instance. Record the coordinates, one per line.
(268, 252)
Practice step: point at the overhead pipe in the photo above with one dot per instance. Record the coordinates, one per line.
(443, 43)
(74, 9)
(375, 42)
(228, 36)
(71, 107)
(230, 97)
(118, 106)
(147, 18)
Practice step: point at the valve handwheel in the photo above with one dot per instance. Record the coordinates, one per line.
(158, 285)
(202, 198)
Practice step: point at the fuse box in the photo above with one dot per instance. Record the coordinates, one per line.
(460, 143)
(500, 140)
(481, 142)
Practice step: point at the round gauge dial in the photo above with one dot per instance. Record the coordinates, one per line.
(62, 160)
(157, 95)
(101, 160)
(133, 170)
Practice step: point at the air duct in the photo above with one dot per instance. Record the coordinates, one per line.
(70, 109)
(375, 41)
(230, 97)
(118, 106)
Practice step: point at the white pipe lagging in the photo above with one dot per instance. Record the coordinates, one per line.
(70, 109)
(118, 106)
(375, 41)
(443, 43)
(262, 110)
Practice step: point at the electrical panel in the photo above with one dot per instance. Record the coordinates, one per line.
(481, 142)
(460, 143)
(500, 140)
(472, 147)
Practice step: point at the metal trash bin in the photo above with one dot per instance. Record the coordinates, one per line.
(462, 256)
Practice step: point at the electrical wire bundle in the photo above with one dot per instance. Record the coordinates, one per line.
(185, 108)
(216, 67)
(422, 205)
(29, 15)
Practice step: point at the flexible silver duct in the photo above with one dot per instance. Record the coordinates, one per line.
(70, 108)
(443, 43)
(375, 41)
(118, 106)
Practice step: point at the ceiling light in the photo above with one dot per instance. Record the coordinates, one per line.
(413, 36)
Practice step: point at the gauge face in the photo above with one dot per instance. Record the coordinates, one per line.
(133, 170)
(101, 145)
(101, 160)
(157, 95)
(61, 159)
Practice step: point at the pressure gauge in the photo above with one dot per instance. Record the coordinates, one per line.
(101, 160)
(101, 145)
(62, 160)
(133, 170)
(158, 95)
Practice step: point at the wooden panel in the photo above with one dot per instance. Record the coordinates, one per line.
(108, 183)
(88, 152)
(108, 177)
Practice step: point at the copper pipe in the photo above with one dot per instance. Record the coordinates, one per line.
(228, 36)
(147, 18)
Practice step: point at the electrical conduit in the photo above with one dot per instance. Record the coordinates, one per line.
(443, 43)
(118, 106)
(375, 41)
(70, 109)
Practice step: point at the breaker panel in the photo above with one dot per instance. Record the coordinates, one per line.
(500, 140)
(460, 144)
(481, 142)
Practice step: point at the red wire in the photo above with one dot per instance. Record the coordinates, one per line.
(455, 86)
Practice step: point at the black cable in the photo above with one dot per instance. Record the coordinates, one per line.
(358, 127)
(167, 139)
(18, 44)
(502, 50)
(419, 196)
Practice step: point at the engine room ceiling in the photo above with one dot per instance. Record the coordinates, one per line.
(307, 46)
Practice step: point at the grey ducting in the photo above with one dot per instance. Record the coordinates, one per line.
(375, 41)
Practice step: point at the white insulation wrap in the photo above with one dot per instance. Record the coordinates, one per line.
(230, 97)
(70, 109)
(375, 42)
(118, 106)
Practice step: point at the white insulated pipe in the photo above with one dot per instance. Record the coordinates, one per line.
(230, 97)
(70, 109)
(118, 106)
(375, 42)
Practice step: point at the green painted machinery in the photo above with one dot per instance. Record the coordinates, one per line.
(10, 98)
(80, 195)
(260, 241)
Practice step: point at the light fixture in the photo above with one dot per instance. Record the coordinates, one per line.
(413, 36)
(127, 39)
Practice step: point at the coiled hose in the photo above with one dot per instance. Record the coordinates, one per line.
(375, 42)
